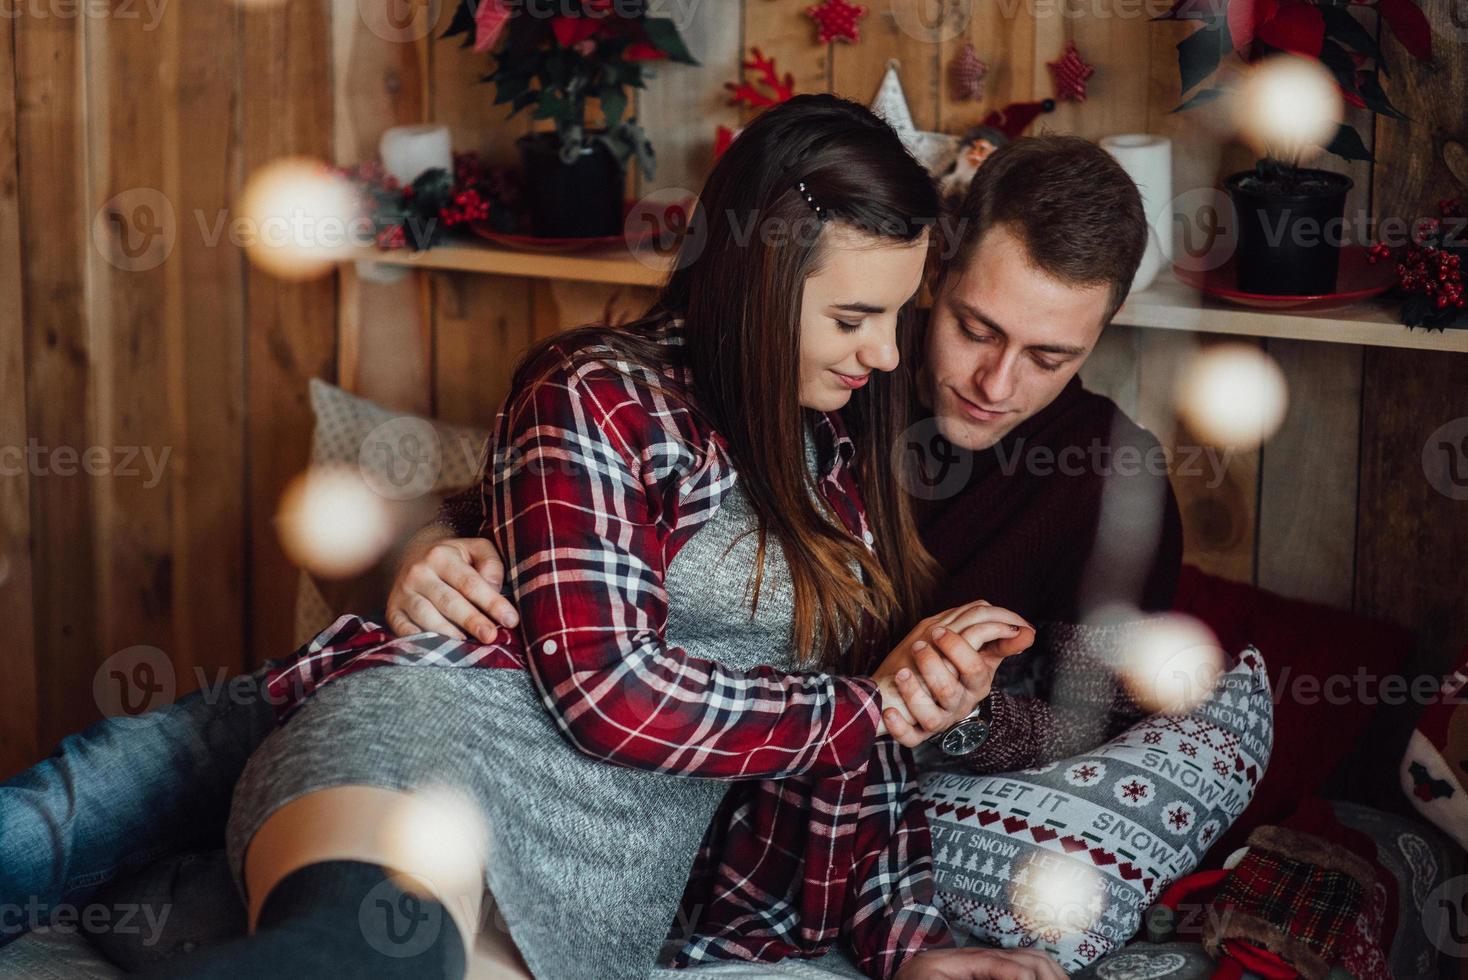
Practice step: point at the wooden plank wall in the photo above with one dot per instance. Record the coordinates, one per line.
(200, 356)
(131, 328)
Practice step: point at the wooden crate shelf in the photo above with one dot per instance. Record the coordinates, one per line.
(1167, 305)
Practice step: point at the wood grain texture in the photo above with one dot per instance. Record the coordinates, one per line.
(781, 30)
(1410, 175)
(207, 485)
(1411, 533)
(1003, 35)
(1307, 493)
(55, 212)
(18, 745)
(683, 105)
(907, 32)
(481, 324)
(287, 101)
(1411, 537)
(1217, 490)
(1115, 37)
(380, 81)
(137, 324)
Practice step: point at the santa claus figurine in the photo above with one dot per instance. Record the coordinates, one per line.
(997, 129)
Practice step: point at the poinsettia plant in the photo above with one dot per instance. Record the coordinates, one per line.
(1325, 31)
(554, 58)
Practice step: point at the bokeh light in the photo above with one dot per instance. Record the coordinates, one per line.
(300, 219)
(439, 836)
(1288, 107)
(1172, 665)
(1233, 396)
(1057, 895)
(332, 524)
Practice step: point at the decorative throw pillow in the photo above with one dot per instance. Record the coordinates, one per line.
(1067, 856)
(1306, 644)
(1434, 769)
(406, 458)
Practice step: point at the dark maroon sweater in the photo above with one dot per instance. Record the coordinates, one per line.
(1022, 531)
(1021, 525)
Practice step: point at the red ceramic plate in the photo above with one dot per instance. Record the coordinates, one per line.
(534, 243)
(1356, 281)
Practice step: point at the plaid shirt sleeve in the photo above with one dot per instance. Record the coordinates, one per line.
(892, 912)
(590, 480)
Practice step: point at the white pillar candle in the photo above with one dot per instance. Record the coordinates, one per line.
(1147, 160)
(408, 151)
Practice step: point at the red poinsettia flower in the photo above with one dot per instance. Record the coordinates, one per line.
(571, 31)
(643, 51)
(489, 23)
(1296, 27)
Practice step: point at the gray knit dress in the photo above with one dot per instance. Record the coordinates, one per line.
(588, 861)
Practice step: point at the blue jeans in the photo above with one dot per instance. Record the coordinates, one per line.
(122, 793)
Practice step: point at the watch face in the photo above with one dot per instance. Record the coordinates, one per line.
(965, 737)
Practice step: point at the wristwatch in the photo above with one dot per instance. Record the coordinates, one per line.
(965, 737)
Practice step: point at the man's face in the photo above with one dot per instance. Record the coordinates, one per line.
(1004, 339)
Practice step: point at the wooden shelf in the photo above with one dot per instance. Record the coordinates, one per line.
(616, 266)
(1170, 305)
(1167, 305)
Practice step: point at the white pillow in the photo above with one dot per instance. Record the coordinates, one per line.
(404, 457)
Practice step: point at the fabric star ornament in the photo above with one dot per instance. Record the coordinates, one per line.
(1070, 74)
(967, 74)
(837, 20)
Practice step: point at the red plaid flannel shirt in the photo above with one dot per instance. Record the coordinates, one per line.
(594, 482)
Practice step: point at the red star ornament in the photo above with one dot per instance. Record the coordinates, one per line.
(1070, 74)
(837, 20)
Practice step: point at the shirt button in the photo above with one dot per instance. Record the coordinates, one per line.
(868, 537)
(549, 646)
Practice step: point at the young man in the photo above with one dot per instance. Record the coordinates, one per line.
(1025, 505)
(1038, 496)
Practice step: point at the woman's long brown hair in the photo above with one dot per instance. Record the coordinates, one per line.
(738, 288)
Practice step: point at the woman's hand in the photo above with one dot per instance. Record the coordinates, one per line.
(944, 667)
(450, 586)
(974, 963)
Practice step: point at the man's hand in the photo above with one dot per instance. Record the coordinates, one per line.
(450, 586)
(974, 963)
(944, 667)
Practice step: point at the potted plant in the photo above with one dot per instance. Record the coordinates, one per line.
(555, 58)
(1290, 216)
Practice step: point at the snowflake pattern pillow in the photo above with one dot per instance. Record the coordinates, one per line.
(1066, 857)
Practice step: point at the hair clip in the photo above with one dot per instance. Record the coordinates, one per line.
(811, 200)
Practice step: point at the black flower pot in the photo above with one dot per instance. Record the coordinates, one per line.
(582, 199)
(1291, 227)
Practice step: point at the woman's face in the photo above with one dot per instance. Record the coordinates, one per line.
(848, 319)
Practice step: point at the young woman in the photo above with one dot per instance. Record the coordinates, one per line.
(706, 541)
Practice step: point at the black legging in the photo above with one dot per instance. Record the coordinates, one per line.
(335, 919)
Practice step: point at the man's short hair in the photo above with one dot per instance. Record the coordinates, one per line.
(1076, 210)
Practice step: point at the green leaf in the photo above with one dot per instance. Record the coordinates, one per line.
(1202, 97)
(1347, 145)
(613, 105)
(1342, 27)
(1199, 53)
(509, 88)
(1335, 57)
(463, 23)
(662, 33)
(1376, 98)
(554, 107)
